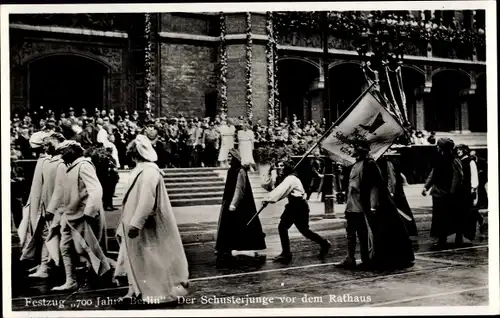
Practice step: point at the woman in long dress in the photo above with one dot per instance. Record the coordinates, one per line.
(227, 141)
(246, 141)
(445, 180)
(238, 207)
(151, 252)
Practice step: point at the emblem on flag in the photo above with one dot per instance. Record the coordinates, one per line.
(370, 122)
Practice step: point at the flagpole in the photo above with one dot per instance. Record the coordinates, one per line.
(335, 124)
(366, 91)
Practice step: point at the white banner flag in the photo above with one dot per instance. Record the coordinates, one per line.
(368, 121)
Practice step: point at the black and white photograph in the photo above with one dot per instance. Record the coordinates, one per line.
(249, 159)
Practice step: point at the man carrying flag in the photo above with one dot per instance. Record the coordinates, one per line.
(371, 214)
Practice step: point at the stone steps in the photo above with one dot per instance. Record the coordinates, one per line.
(191, 179)
(193, 186)
(194, 195)
(210, 189)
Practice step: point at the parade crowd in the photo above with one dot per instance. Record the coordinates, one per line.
(63, 224)
(179, 142)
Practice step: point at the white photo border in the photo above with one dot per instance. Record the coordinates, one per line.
(492, 140)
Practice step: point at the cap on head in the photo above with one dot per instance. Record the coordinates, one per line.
(446, 143)
(362, 145)
(464, 148)
(235, 153)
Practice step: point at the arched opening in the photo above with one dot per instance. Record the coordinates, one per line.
(298, 80)
(442, 109)
(413, 81)
(478, 109)
(347, 82)
(58, 82)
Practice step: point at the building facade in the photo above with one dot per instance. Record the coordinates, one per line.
(258, 65)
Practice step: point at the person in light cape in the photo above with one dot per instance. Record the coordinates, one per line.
(54, 175)
(82, 221)
(151, 252)
(33, 220)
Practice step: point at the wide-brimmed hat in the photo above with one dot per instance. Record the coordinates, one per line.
(36, 140)
(145, 148)
(68, 143)
(235, 153)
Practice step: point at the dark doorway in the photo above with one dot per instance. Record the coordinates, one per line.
(347, 82)
(296, 78)
(211, 105)
(478, 110)
(61, 81)
(445, 100)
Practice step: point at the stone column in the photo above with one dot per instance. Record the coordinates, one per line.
(420, 109)
(462, 112)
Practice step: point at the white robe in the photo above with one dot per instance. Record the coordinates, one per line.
(245, 146)
(227, 141)
(32, 213)
(155, 262)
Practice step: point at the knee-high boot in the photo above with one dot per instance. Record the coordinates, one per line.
(70, 283)
(43, 269)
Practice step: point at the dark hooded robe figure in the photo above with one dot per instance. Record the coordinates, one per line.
(372, 215)
(394, 182)
(445, 179)
(238, 207)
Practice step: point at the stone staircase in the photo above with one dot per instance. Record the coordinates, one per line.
(192, 186)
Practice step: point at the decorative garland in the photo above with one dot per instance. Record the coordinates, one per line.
(277, 103)
(248, 68)
(391, 28)
(270, 69)
(223, 65)
(148, 60)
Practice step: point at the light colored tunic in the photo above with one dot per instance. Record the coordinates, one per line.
(154, 262)
(82, 197)
(245, 145)
(227, 138)
(32, 212)
(290, 187)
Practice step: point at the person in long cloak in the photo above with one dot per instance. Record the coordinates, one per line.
(151, 252)
(53, 175)
(446, 180)
(394, 182)
(372, 214)
(238, 207)
(82, 221)
(32, 224)
(471, 215)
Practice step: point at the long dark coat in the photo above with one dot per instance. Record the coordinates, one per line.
(446, 180)
(399, 194)
(232, 232)
(389, 241)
